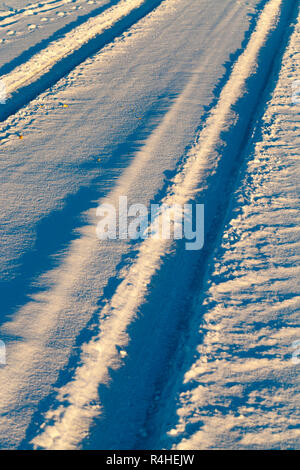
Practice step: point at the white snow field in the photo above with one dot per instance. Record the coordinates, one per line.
(156, 101)
(241, 390)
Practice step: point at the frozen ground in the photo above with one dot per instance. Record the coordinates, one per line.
(159, 101)
(242, 388)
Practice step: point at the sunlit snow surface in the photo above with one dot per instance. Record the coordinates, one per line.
(139, 98)
(242, 391)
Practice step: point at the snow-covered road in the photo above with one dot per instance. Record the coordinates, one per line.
(241, 390)
(147, 99)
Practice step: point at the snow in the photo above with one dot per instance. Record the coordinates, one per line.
(242, 391)
(152, 100)
(100, 353)
(60, 48)
(52, 20)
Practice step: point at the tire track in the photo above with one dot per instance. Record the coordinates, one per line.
(12, 16)
(45, 68)
(69, 422)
